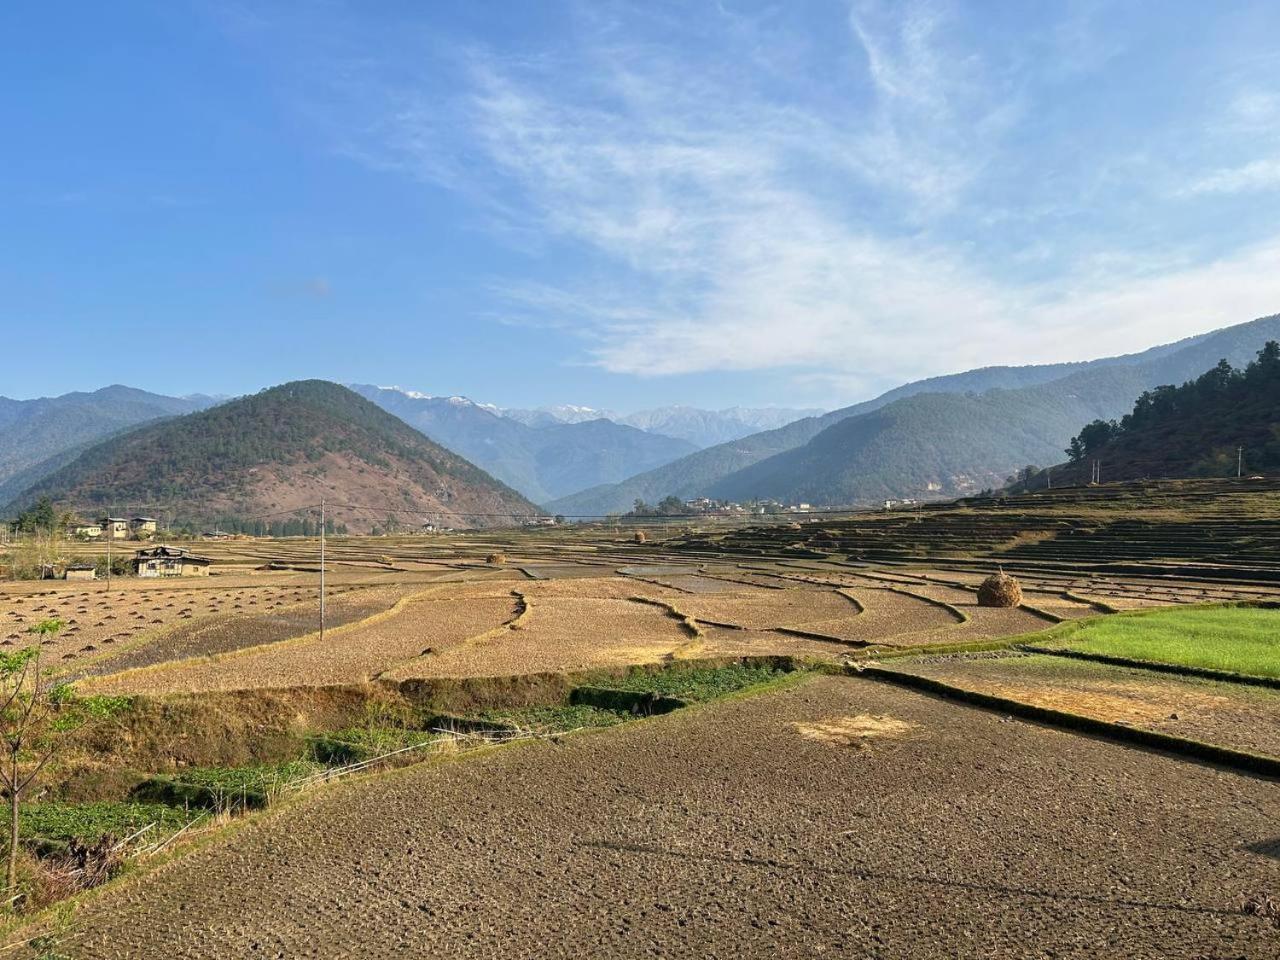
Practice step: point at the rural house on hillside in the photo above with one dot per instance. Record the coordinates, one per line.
(84, 530)
(142, 526)
(117, 528)
(166, 561)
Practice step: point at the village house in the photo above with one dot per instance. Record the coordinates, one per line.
(164, 561)
(84, 530)
(81, 571)
(117, 528)
(142, 526)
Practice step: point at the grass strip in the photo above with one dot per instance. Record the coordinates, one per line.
(1239, 637)
(696, 683)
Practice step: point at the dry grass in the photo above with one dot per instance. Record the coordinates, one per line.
(420, 626)
(567, 633)
(853, 731)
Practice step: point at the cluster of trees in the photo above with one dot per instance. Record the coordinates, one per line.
(293, 527)
(668, 506)
(1213, 393)
(1025, 475)
(40, 518)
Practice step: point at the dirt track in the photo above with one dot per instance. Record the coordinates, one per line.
(744, 829)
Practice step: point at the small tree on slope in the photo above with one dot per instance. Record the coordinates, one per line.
(29, 731)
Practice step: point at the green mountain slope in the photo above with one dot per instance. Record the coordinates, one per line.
(933, 444)
(1225, 419)
(38, 436)
(278, 450)
(713, 470)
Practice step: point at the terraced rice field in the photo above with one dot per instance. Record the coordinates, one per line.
(357, 653)
(1230, 714)
(825, 815)
(839, 817)
(250, 628)
(96, 619)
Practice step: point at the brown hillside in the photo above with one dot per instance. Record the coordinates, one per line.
(279, 451)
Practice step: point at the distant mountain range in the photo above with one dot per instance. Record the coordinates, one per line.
(702, 428)
(944, 436)
(38, 436)
(542, 462)
(280, 450)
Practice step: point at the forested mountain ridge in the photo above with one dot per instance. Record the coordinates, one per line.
(933, 444)
(38, 436)
(1223, 421)
(713, 470)
(277, 450)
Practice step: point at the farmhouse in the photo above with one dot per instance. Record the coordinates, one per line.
(169, 562)
(81, 571)
(117, 528)
(142, 526)
(84, 530)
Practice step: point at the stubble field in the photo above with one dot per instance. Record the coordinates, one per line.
(833, 815)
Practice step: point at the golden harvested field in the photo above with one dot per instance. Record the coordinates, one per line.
(841, 813)
(1232, 714)
(356, 653)
(401, 609)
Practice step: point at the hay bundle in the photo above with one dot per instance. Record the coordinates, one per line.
(999, 590)
(640, 536)
(497, 559)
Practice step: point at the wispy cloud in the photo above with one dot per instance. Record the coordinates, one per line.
(1253, 176)
(723, 216)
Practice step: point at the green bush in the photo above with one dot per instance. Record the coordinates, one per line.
(90, 821)
(554, 719)
(358, 744)
(699, 683)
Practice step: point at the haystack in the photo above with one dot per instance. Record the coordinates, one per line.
(497, 559)
(999, 590)
(640, 537)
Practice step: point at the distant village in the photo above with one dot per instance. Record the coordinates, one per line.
(146, 561)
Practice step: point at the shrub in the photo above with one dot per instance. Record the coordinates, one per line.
(497, 559)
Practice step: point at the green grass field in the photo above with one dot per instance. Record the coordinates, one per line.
(1240, 639)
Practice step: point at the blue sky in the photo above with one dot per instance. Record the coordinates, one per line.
(626, 204)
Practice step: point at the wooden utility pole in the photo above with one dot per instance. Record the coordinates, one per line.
(111, 535)
(1239, 462)
(322, 525)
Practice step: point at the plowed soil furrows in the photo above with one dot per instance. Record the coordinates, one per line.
(839, 817)
(722, 642)
(96, 620)
(226, 632)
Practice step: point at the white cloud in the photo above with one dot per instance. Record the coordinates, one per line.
(730, 226)
(1249, 178)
